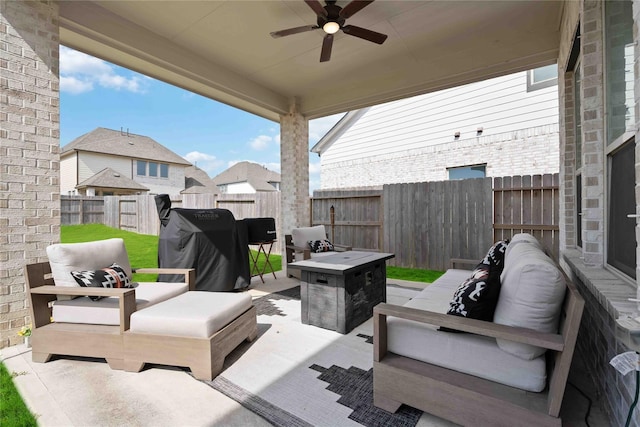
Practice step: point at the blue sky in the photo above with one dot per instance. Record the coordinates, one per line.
(95, 93)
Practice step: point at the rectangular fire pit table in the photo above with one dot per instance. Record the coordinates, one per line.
(339, 291)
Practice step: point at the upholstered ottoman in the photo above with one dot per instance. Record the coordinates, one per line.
(195, 329)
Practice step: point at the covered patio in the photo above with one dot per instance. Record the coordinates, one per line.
(223, 50)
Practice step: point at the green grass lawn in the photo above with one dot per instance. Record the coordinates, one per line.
(413, 274)
(13, 411)
(142, 248)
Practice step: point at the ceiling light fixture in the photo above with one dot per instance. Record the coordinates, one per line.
(331, 27)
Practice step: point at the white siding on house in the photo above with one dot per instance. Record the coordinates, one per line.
(413, 139)
(68, 174)
(91, 163)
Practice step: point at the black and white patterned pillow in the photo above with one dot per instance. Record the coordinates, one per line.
(113, 276)
(319, 246)
(476, 297)
(495, 257)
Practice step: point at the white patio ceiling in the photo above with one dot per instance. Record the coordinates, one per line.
(223, 50)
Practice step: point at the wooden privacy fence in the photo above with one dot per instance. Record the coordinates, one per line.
(81, 210)
(426, 224)
(354, 217)
(528, 204)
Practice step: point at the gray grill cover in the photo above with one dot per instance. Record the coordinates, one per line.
(209, 240)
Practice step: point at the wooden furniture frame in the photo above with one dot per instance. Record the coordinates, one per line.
(72, 339)
(204, 356)
(466, 399)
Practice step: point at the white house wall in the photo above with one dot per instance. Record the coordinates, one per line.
(413, 139)
(68, 174)
(90, 164)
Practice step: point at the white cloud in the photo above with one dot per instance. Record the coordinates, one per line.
(206, 162)
(80, 73)
(314, 168)
(74, 86)
(319, 127)
(261, 142)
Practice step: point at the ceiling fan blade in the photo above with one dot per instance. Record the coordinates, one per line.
(316, 7)
(354, 7)
(363, 33)
(296, 30)
(327, 43)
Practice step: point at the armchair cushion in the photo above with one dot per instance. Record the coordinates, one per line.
(319, 246)
(67, 257)
(301, 236)
(113, 276)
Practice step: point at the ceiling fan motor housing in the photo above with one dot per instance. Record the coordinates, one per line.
(333, 15)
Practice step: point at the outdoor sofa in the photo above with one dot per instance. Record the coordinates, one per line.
(512, 371)
(156, 322)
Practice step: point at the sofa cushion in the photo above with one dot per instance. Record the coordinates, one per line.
(531, 295)
(319, 246)
(468, 353)
(113, 276)
(67, 257)
(107, 311)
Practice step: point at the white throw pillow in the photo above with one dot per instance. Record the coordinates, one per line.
(521, 238)
(67, 257)
(531, 295)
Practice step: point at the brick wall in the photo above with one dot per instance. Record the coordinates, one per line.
(526, 152)
(606, 294)
(29, 151)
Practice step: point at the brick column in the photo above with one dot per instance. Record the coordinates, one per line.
(294, 159)
(29, 150)
(593, 134)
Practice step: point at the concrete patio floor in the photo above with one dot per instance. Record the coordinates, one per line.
(86, 392)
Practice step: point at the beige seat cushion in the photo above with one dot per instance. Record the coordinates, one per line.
(192, 314)
(468, 353)
(67, 257)
(106, 311)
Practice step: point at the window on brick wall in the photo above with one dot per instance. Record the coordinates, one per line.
(465, 172)
(620, 146)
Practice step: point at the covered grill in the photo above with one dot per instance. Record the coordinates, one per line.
(209, 240)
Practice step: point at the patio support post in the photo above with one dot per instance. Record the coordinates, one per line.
(294, 159)
(29, 151)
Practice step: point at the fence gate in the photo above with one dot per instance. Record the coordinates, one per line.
(351, 217)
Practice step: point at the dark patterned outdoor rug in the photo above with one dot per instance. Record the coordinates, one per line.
(301, 375)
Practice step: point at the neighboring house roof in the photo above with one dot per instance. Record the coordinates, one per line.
(256, 175)
(197, 181)
(108, 178)
(119, 143)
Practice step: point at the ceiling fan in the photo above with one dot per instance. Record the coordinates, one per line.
(331, 18)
